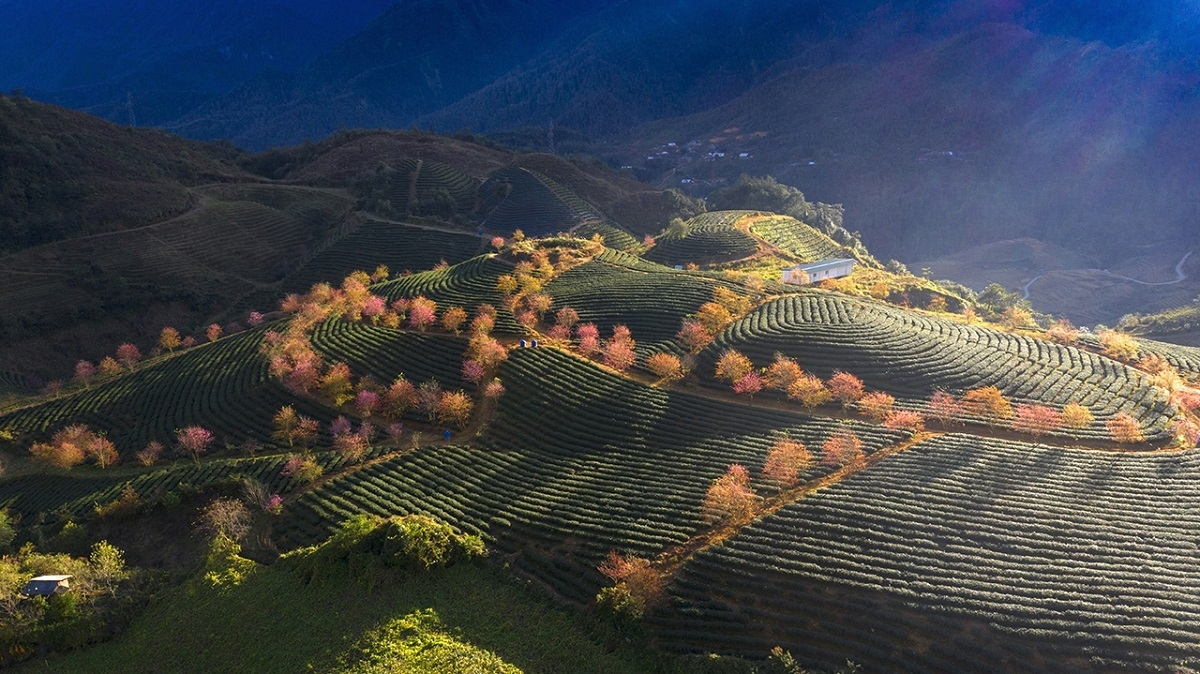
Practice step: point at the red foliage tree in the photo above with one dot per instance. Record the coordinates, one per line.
(693, 336)
(566, 317)
(845, 387)
(400, 397)
(213, 332)
(943, 407)
(636, 574)
(1125, 429)
(843, 448)
(876, 405)
(1187, 431)
(1037, 420)
(987, 402)
(494, 389)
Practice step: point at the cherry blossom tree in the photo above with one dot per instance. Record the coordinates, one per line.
(366, 402)
(193, 441)
(1037, 420)
(422, 313)
(213, 332)
(845, 387)
(906, 420)
(730, 496)
(842, 448)
(85, 371)
(748, 385)
(693, 336)
(944, 407)
(128, 355)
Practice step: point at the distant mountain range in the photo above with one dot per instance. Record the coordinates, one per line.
(939, 125)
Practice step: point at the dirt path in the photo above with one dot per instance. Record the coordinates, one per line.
(668, 562)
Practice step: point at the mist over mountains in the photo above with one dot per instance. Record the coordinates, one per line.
(940, 125)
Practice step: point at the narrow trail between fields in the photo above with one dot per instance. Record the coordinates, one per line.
(670, 561)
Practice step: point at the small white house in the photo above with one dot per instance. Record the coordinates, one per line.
(44, 586)
(818, 271)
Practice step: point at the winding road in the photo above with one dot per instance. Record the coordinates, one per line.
(1179, 276)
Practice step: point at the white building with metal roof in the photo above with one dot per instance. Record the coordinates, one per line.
(818, 271)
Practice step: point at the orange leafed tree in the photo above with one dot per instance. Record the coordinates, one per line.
(785, 462)
(1077, 417)
(987, 402)
(1125, 429)
(643, 583)
(809, 391)
(732, 366)
(665, 366)
(1118, 345)
(729, 496)
(454, 407)
(843, 448)
(782, 373)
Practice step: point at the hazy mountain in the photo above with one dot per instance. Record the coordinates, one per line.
(137, 61)
(417, 57)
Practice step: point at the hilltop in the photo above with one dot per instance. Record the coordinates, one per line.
(114, 232)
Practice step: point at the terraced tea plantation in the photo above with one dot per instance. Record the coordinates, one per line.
(651, 303)
(76, 497)
(375, 242)
(964, 554)
(910, 355)
(223, 386)
(466, 284)
(797, 238)
(577, 462)
(384, 353)
(706, 238)
(517, 198)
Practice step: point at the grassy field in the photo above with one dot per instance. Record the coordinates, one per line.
(274, 622)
